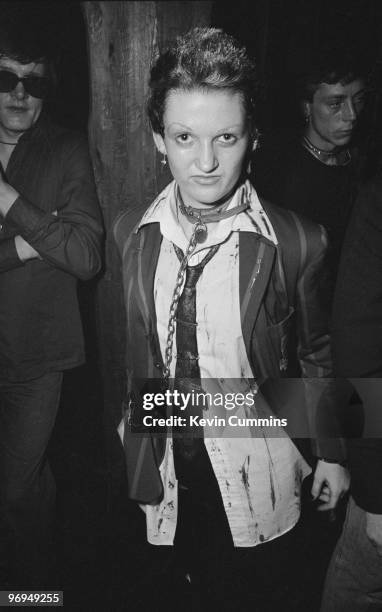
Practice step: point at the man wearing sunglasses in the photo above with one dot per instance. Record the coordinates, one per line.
(50, 236)
(26, 86)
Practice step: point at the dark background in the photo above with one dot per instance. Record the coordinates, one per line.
(99, 532)
(280, 34)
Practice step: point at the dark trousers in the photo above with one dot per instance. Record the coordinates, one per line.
(28, 411)
(285, 574)
(224, 577)
(354, 578)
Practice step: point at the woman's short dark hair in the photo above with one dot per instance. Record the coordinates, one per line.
(203, 58)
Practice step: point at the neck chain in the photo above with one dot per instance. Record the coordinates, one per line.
(329, 158)
(8, 143)
(174, 303)
(201, 216)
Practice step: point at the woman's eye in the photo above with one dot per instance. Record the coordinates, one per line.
(335, 104)
(227, 138)
(183, 138)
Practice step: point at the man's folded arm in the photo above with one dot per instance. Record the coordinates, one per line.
(9, 257)
(69, 238)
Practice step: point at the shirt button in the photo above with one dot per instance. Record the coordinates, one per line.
(158, 365)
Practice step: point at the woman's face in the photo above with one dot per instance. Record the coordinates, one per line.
(206, 138)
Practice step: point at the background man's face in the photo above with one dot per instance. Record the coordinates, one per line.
(19, 110)
(333, 114)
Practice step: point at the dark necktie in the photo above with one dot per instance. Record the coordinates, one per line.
(188, 445)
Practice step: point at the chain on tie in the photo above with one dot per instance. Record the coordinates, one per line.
(175, 300)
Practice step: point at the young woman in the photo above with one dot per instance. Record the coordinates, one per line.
(215, 281)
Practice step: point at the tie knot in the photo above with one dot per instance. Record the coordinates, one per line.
(193, 272)
(192, 276)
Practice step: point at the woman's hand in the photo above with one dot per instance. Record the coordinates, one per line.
(331, 482)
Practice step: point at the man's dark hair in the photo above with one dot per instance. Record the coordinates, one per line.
(330, 64)
(24, 37)
(204, 58)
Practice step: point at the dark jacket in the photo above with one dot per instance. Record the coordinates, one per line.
(40, 327)
(283, 280)
(357, 338)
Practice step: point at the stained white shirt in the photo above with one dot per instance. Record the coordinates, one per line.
(259, 474)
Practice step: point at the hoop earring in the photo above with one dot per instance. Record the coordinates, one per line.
(163, 161)
(307, 118)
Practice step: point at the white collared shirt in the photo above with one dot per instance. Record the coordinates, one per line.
(259, 477)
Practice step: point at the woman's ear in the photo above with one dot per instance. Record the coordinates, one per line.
(159, 143)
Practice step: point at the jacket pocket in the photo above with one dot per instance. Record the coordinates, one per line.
(272, 346)
(278, 341)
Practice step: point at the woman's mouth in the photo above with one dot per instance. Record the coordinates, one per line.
(206, 180)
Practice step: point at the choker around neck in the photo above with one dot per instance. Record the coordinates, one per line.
(329, 158)
(201, 216)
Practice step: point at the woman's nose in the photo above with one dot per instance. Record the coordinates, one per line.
(207, 160)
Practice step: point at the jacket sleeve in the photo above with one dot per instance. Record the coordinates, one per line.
(312, 311)
(71, 239)
(314, 349)
(9, 258)
(357, 339)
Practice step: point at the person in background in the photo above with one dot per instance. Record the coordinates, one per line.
(317, 168)
(215, 280)
(50, 235)
(354, 578)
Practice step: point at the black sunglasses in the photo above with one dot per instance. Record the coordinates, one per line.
(36, 86)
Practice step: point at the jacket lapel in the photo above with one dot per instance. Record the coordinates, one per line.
(257, 255)
(256, 259)
(145, 453)
(148, 245)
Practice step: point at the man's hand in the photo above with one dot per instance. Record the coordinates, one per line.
(331, 481)
(8, 196)
(374, 530)
(24, 250)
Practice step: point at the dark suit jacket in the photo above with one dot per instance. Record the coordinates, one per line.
(279, 293)
(40, 323)
(357, 337)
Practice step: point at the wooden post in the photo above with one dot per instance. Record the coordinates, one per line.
(123, 40)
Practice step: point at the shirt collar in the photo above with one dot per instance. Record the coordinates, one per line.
(254, 219)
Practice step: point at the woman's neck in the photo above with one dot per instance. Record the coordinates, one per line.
(203, 208)
(208, 217)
